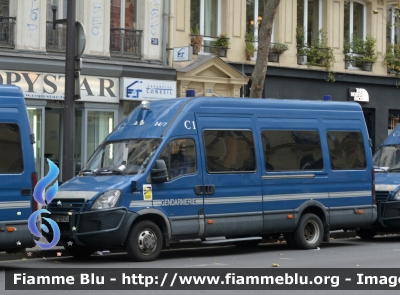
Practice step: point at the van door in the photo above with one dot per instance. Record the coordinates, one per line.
(232, 181)
(177, 197)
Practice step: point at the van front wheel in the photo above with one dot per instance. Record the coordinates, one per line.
(309, 232)
(144, 241)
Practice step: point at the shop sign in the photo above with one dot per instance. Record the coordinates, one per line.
(50, 86)
(183, 53)
(144, 89)
(359, 94)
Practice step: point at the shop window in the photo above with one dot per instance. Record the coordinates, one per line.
(291, 150)
(36, 124)
(346, 150)
(229, 151)
(180, 157)
(309, 17)
(206, 16)
(99, 125)
(354, 19)
(394, 118)
(129, 106)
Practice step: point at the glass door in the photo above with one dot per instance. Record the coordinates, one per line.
(36, 122)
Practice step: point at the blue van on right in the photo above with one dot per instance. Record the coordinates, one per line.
(387, 186)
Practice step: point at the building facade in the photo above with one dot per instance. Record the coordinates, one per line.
(122, 64)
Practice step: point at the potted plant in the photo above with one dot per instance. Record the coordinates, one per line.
(369, 53)
(250, 48)
(221, 45)
(320, 55)
(392, 59)
(347, 54)
(196, 40)
(276, 49)
(301, 46)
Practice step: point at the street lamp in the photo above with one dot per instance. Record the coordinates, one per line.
(67, 163)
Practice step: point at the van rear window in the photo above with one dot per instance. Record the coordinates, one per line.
(292, 150)
(229, 151)
(10, 149)
(346, 150)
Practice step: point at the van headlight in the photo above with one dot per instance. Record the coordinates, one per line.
(107, 200)
(397, 196)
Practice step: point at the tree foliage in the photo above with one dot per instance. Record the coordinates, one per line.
(264, 41)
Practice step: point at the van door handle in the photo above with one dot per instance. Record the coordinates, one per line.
(198, 189)
(209, 189)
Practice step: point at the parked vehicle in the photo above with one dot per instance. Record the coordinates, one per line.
(239, 169)
(17, 171)
(387, 186)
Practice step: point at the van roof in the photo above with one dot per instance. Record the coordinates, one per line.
(164, 112)
(11, 95)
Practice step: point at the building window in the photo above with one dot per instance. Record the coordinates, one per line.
(123, 14)
(393, 26)
(354, 19)
(61, 9)
(5, 7)
(309, 17)
(206, 15)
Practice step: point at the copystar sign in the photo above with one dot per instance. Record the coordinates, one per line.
(143, 89)
(51, 86)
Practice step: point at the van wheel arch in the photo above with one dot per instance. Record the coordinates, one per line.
(159, 220)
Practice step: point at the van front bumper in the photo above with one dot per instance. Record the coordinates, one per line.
(389, 215)
(101, 228)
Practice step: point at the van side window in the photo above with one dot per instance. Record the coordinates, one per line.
(229, 151)
(180, 157)
(346, 150)
(292, 150)
(10, 149)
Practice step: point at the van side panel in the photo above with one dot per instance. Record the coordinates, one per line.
(16, 168)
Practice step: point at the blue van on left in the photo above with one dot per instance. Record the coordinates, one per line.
(17, 171)
(234, 170)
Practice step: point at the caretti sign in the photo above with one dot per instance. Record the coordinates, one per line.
(359, 94)
(140, 89)
(50, 86)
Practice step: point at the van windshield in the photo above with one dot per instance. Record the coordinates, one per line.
(127, 157)
(387, 158)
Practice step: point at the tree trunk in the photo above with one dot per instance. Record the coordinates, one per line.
(264, 40)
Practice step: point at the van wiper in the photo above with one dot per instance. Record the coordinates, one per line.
(394, 169)
(110, 171)
(87, 172)
(117, 171)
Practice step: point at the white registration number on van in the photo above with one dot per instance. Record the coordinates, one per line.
(60, 218)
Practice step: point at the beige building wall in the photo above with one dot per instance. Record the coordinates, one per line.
(234, 25)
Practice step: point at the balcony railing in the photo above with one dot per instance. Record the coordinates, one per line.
(126, 42)
(7, 25)
(56, 40)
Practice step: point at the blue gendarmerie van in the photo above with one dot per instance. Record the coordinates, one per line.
(17, 171)
(235, 170)
(387, 186)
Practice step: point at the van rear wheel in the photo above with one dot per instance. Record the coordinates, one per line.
(309, 232)
(144, 241)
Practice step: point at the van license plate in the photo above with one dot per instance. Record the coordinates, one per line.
(60, 218)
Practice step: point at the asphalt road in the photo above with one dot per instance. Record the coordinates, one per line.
(382, 252)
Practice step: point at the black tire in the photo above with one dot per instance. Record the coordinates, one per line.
(290, 240)
(366, 233)
(309, 232)
(80, 252)
(144, 242)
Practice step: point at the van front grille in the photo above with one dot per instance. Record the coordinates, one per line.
(381, 196)
(100, 221)
(66, 205)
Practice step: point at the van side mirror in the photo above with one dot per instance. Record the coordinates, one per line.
(159, 173)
